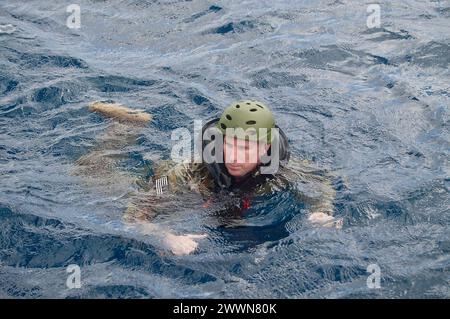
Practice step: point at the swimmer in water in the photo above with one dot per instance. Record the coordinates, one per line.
(254, 157)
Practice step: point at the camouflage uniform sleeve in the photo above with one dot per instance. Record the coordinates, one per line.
(185, 176)
(146, 203)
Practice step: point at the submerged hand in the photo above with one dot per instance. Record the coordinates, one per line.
(183, 244)
(325, 220)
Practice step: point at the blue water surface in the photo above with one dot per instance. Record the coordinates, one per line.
(369, 104)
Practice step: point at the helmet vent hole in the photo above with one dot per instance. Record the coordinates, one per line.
(260, 106)
(250, 122)
(253, 110)
(248, 103)
(223, 126)
(228, 117)
(238, 106)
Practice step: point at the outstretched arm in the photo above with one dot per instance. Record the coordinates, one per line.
(145, 204)
(314, 187)
(100, 166)
(177, 244)
(322, 207)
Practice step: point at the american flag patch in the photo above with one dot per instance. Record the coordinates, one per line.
(160, 185)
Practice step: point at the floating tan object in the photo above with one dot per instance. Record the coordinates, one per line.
(120, 113)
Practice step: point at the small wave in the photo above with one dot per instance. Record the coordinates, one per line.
(382, 34)
(112, 83)
(211, 9)
(7, 84)
(7, 29)
(432, 54)
(266, 79)
(242, 27)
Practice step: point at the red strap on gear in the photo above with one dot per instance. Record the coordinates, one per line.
(246, 203)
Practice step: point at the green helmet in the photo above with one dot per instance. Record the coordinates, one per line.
(250, 116)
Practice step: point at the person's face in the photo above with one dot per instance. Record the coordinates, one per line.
(241, 156)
